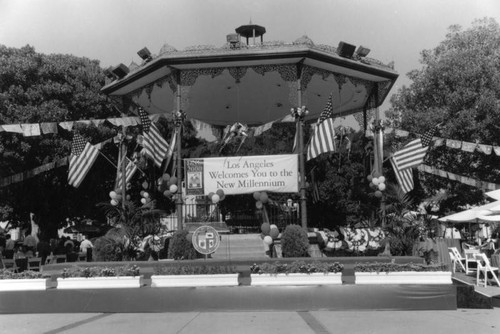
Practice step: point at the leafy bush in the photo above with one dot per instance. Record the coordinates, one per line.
(194, 270)
(101, 271)
(294, 242)
(377, 267)
(107, 249)
(181, 248)
(27, 274)
(297, 267)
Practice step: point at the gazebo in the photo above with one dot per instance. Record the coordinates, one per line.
(255, 83)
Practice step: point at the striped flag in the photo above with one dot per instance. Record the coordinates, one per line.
(130, 169)
(155, 146)
(323, 139)
(413, 153)
(83, 156)
(404, 177)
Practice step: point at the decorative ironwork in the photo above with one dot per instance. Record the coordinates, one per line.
(179, 118)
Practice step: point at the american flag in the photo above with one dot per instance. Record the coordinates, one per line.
(323, 139)
(130, 169)
(155, 146)
(413, 153)
(83, 156)
(404, 177)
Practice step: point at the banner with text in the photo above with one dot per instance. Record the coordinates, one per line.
(242, 175)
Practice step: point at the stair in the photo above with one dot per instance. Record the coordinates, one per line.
(240, 246)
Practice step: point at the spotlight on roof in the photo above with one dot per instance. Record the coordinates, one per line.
(362, 51)
(145, 54)
(346, 50)
(109, 74)
(120, 71)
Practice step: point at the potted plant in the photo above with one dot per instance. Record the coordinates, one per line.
(407, 273)
(100, 277)
(194, 275)
(296, 273)
(24, 281)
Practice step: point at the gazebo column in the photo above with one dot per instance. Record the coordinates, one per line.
(378, 147)
(299, 118)
(179, 117)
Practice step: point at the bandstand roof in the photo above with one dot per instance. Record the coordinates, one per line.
(254, 84)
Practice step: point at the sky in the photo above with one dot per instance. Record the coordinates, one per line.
(112, 31)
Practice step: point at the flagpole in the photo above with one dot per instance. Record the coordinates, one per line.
(123, 149)
(179, 118)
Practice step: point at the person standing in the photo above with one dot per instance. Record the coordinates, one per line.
(86, 248)
(9, 247)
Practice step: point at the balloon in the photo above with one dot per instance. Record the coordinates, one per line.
(143, 201)
(369, 178)
(112, 194)
(173, 180)
(145, 195)
(268, 240)
(265, 228)
(215, 198)
(373, 186)
(167, 193)
(256, 195)
(258, 205)
(381, 179)
(274, 233)
(128, 197)
(173, 188)
(376, 174)
(114, 202)
(381, 186)
(220, 192)
(263, 197)
(378, 194)
(210, 194)
(145, 185)
(375, 181)
(166, 177)
(142, 193)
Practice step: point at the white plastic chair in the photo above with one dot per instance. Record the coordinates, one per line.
(484, 267)
(456, 257)
(469, 258)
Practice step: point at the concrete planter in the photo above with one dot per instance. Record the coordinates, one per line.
(99, 282)
(404, 277)
(296, 279)
(167, 281)
(31, 284)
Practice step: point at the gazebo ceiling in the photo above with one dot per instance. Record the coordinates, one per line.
(255, 84)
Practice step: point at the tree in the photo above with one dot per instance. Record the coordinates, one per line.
(458, 87)
(37, 88)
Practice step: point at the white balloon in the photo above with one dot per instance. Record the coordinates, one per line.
(375, 181)
(145, 195)
(381, 186)
(381, 179)
(112, 194)
(114, 203)
(143, 200)
(215, 198)
(173, 188)
(268, 240)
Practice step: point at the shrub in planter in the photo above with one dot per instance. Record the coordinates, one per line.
(107, 249)
(378, 267)
(27, 274)
(297, 267)
(181, 248)
(194, 270)
(87, 272)
(294, 242)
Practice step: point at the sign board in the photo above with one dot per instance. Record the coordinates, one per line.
(206, 240)
(242, 175)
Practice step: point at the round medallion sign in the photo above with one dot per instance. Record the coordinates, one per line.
(206, 239)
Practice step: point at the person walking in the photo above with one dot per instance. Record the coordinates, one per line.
(86, 248)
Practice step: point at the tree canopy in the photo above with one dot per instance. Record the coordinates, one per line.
(458, 87)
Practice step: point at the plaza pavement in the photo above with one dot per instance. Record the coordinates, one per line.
(477, 321)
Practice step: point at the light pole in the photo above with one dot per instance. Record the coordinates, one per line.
(299, 114)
